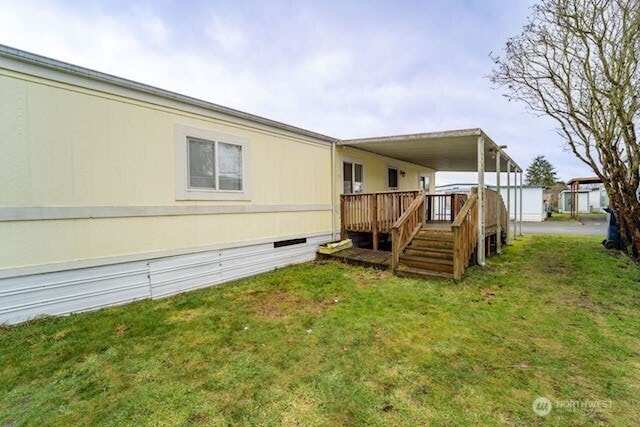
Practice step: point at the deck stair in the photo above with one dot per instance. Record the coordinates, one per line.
(430, 254)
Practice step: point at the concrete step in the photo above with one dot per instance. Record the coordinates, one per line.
(416, 273)
(432, 264)
(429, 252)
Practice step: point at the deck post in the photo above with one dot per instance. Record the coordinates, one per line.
(481, 219)
(374, 216)
(343, 231)
(452, 198)
(515, 203)
(394, 250)
(520, 210)
(575, 200)
(506, 226)
(498, 224)
(572, 198)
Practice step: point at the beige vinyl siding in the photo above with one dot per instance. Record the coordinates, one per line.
(69, 146)
(375, 170)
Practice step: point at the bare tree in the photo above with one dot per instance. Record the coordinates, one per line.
(577, 61)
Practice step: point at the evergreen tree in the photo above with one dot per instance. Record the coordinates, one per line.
(541, 172)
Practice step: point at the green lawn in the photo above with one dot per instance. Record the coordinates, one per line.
(325, 344)
(556, 216)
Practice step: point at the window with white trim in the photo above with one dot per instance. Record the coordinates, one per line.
(210, 165)
(352, 177)
(214, 165)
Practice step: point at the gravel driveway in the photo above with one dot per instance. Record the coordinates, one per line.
(587, 225)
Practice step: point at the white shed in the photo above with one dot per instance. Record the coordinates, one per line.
(532, 202)
(532, 198)
(584, 203)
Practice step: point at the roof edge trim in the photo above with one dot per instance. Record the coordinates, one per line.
(46, 62)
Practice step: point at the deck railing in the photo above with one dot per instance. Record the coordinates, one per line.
(444, 207)
(374, 212)
(377, 212)
(493, 206)
(465, 227)
(405, 228)
(465, 235)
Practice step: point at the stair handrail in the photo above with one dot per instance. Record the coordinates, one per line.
(468, 204)
(465, 235)
(405, 228)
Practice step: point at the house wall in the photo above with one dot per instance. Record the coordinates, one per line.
(375, 173)
(375, 170)
(89, 180)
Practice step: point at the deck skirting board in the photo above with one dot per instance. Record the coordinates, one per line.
(64, 292)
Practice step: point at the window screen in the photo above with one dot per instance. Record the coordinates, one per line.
(347, 178)
(358, 178)
(230, 164)
(202, 164)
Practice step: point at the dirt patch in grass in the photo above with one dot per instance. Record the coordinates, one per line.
(120, 331)
(187, 315)
(279, 304)
(366, 277)
(552, 264)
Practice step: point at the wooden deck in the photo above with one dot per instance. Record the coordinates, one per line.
(430, 234)
(361, 256)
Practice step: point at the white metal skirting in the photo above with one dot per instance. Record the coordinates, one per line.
(173, 275)
(25, 297)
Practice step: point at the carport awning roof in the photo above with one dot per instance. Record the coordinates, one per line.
(448, 151)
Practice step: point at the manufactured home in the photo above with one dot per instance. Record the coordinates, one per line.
(114, 191)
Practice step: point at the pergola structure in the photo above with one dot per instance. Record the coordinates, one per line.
(467, 150)
(574, 188)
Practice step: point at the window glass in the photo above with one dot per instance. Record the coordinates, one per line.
(358, 178)
(202, 164)
(424, 183)
(230, 164)
(393, 178)
(347, 178)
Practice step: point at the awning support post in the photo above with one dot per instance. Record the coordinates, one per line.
(506, 226)
(515, 203)
(498, 224)
(481, 220)
(520, 210)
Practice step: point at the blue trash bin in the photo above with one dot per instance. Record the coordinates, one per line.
(613, 239)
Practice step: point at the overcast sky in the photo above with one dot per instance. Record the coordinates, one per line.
(347, 69)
